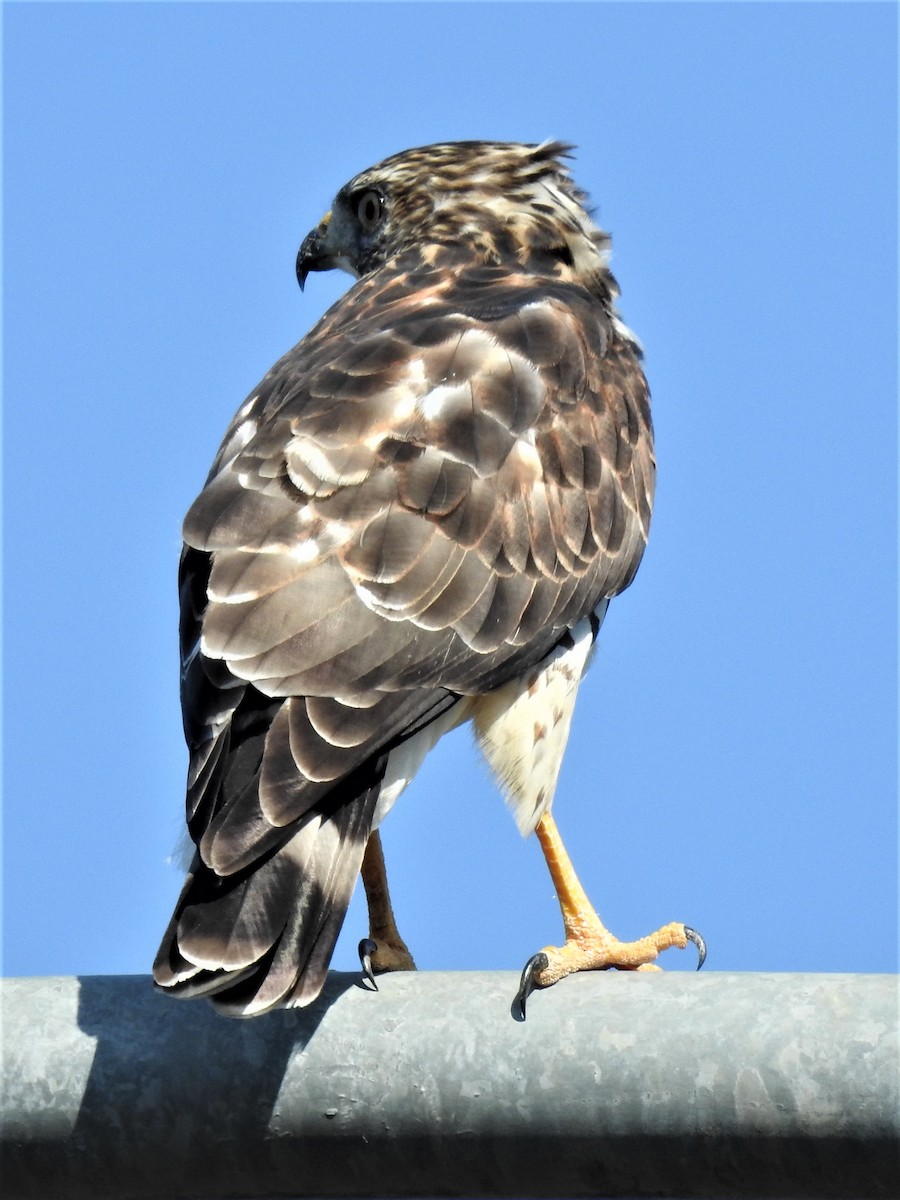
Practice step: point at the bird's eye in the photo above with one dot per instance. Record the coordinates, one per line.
(369, 210)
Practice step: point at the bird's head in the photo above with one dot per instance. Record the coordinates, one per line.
(496, 201)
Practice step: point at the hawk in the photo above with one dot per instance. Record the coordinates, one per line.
(416, 520)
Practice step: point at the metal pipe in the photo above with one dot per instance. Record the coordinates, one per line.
(618, 1084)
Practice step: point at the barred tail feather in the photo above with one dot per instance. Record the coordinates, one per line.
(263, 937)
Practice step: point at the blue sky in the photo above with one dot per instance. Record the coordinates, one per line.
(733, 757)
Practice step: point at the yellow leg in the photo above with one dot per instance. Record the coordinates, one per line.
(589, 946)
(387, 950)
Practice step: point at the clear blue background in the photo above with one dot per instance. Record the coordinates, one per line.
(733, 759)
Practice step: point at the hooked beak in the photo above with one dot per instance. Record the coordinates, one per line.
(312, 255)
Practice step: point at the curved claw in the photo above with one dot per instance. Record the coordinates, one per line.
(693, 936)
(537, 963)
(366, 949)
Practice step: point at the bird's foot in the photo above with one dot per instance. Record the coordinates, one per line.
(379, 955)
(591, 947)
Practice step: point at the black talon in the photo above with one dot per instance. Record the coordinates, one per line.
(538, 962)
(366, 949)
(693, 936)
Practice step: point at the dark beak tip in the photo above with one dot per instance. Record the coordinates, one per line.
(310, 256)
(301, 268)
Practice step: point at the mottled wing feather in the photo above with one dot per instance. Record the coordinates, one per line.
(435, 471)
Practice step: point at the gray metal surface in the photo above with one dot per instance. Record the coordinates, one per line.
(722, 1085)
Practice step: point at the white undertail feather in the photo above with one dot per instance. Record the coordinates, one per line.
(405, 761)
(522, 727)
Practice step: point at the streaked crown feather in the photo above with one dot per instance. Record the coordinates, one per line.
(507, 200)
